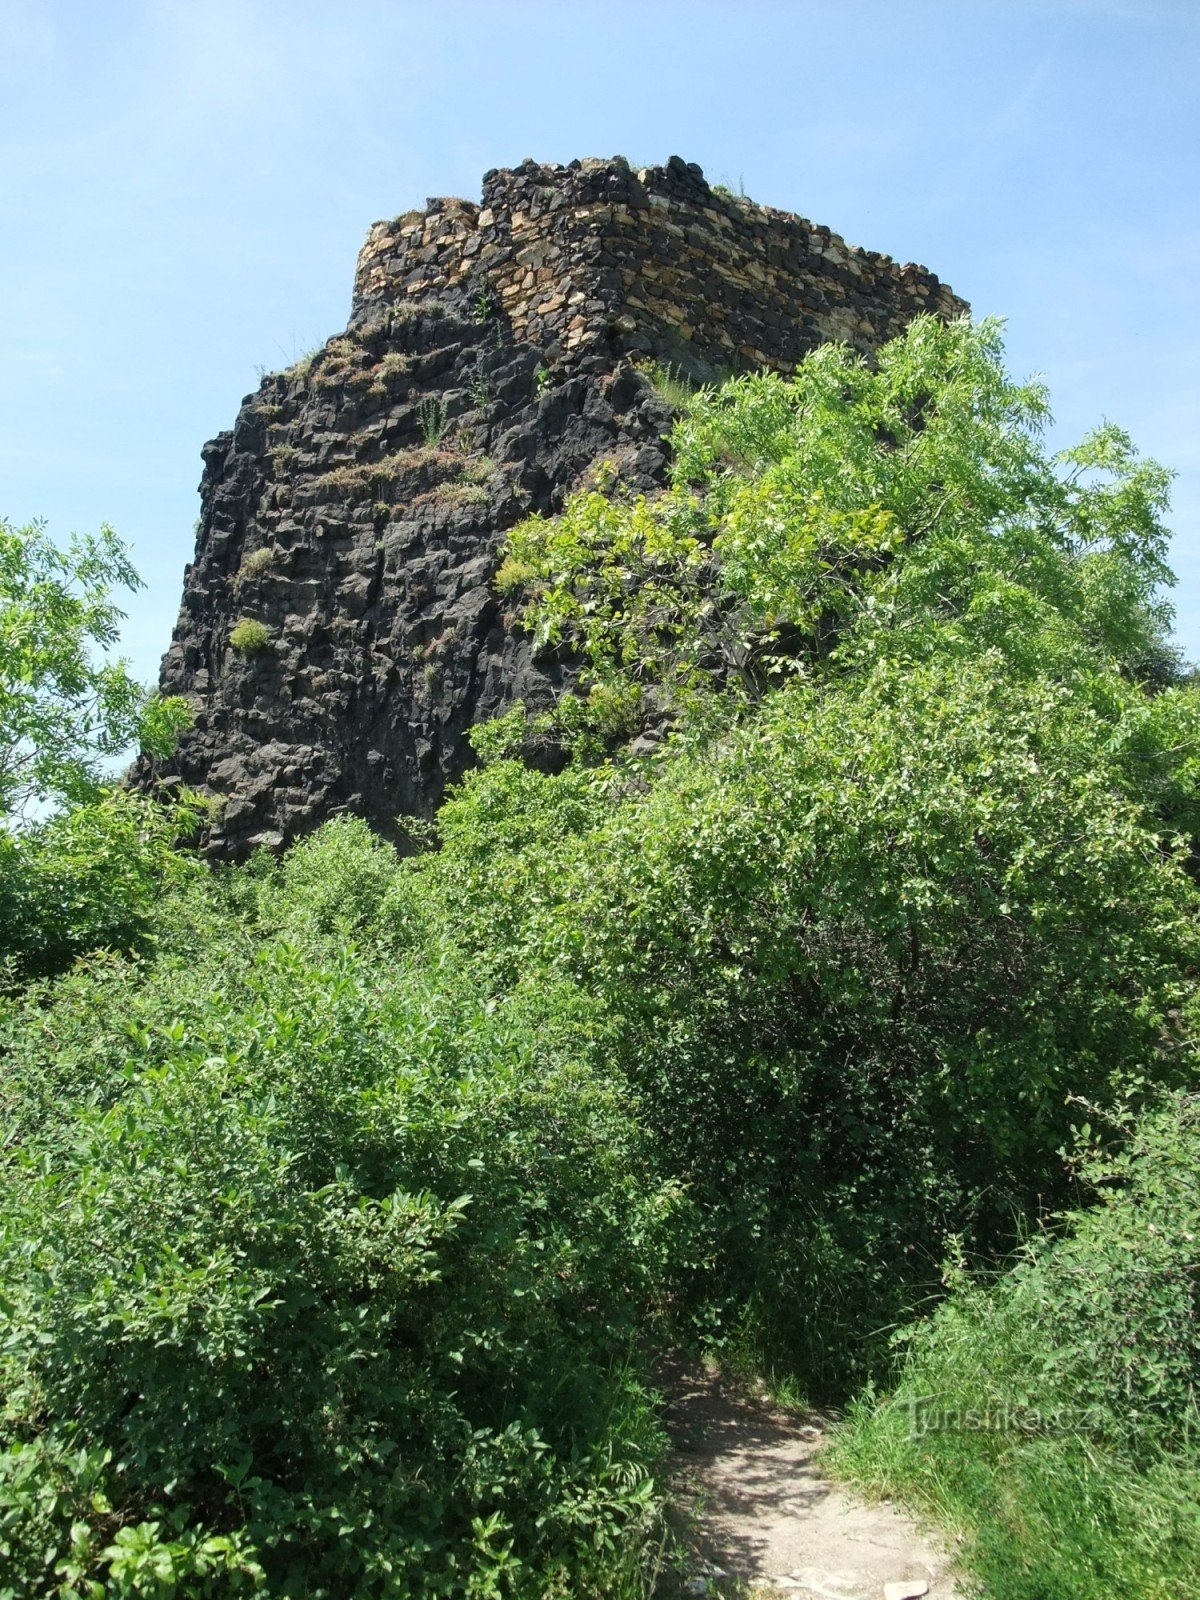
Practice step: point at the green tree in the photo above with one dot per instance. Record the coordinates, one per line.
(906, 507)
(63, 713)
(80, 858)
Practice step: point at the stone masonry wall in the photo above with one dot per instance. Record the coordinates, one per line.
(357, 510)
(595, 260)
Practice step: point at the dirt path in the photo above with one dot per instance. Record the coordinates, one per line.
(760, 1516)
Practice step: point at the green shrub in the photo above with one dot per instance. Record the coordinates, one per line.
(907, 875)
(904, 509)
(912, 913)
(58, 1528)
(1052, 1413)
(329, 890)
(513, 575)
(250, 637)
(309, 1264)
(88, 879)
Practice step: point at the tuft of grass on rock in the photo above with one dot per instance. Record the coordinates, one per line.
(256, 562)
(250, 637)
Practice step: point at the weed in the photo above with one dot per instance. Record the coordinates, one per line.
(478, 470)
(480, 388)
(464, 486)
(302, 366)
(670, 383)
(727, 192)
(431, 419)
(457, 494)
(393, 365)
(339, 351)
(337, 361)
(361, 474)
(513, 575)
(256, 562)
(249, 637)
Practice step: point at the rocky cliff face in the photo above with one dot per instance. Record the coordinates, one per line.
(339, 633)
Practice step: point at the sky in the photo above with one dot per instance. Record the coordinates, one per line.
(184, 188)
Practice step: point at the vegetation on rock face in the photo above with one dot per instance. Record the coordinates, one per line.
(792, 499)
(257, 562)
(342, 1220)
(249, 637)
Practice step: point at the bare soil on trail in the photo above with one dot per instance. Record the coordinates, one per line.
(758, 1514)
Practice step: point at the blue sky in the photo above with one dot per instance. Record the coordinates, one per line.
(184, 188)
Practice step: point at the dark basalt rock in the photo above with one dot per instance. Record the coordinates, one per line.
(359, 505)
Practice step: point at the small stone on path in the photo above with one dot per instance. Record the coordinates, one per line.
(907, 1589)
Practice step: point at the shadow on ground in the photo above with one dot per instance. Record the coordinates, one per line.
(753, 1509)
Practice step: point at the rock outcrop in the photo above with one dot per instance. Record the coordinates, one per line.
(339, 632)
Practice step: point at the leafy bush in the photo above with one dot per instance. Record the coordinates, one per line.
(57, 1526)
(904, 507)
(909, 872)
(303, 1262)
(88, 879)
(911, 915)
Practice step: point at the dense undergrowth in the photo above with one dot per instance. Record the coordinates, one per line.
(348, 1197)
(1050, 1414)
